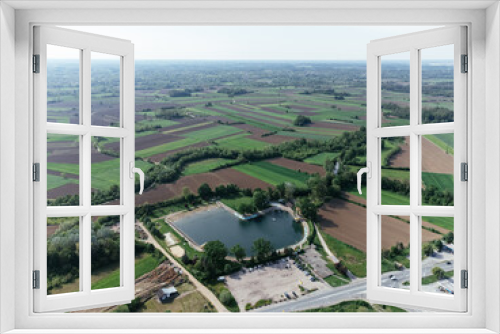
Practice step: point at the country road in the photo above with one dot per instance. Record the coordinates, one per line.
(356, 289)
(199, 286)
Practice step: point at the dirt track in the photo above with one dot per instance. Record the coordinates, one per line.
(347, 222)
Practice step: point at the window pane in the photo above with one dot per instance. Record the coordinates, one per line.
(437, 84)
(105, 89)
(395, 156)
(395, 81)
(63, 255)
(395, 252)
(63, 84)
(437, 169)
(63, 170)
(105, 252)
(105, 170)
(437, 255)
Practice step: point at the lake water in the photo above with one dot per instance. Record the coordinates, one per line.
(219, 224)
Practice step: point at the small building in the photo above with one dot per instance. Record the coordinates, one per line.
(165, 294)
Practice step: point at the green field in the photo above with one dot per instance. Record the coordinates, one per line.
(241, 142)
(357, 306)
(320, 159)
(388, 197)
(444, 222)
(54, 181)
(273, 174)
(234, 203)
(143, 264)
(443, 141)
(192, 138)
(353, 258)
(438, 180)
(205, 166)
(396, 174)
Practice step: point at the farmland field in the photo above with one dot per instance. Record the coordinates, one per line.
(273, 174)
(247, 133)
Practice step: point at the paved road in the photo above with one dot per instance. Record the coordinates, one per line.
(331, 296)
(200, 287)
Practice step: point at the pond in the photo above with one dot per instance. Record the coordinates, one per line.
(219, 224)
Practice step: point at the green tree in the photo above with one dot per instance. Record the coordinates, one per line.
(448, 238)
(439, 245)
(281, 189)
(308, 209)
(262, 248)
(438, 272)
(226, 298)
(205, 192)
(428, 250)
(259, 200)
(301, 120)
(186, 193)
(213, 259)
(239, 252)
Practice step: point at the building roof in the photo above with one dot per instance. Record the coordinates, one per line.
(169, 290)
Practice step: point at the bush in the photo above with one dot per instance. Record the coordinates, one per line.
(227, 298)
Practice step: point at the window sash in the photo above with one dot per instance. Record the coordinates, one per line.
(413, 43)
(86, 297)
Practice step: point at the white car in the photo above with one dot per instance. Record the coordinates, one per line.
(393, 278)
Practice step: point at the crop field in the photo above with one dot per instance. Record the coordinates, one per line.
(273, 174)
(279, 121)
(347, 222)
(320, 159)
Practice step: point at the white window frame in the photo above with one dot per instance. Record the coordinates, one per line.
(413, 44)
(85, 43)
(482, 315)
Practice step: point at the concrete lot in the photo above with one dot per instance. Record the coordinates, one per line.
(269, 282)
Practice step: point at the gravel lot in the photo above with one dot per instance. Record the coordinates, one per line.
(269, 282)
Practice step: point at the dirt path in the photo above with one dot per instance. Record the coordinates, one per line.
(200, 287)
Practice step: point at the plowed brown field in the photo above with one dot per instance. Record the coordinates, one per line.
(347, 222)
(193, 182)
(434, 159)
(298, 165)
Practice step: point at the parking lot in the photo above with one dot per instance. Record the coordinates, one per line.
(270, 281)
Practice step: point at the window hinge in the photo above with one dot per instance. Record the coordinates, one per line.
(36, 63)
(36, 279)
(464, 171)
(465, 279)
(36, 172)
(465, 64)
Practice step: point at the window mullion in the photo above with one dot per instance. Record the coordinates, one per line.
(86, 181)
(414, 171)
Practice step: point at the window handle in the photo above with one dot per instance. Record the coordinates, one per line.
(139, 171)
(368, 172)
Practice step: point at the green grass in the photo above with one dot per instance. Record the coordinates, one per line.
(353, 258)
(241, 142)
(346, 306)
(439, 180)
(205, 166)
(320, 159)
(388, 197)
(213, 132)
(443, 141)
(234, 203)
(335, 281)
(56, 138)
(433, 278)
(161, 122)
(177, 129)
(396, 174)
(273, 174)
(192, 138)
(143, 264)
(54, 181)
(444, 222)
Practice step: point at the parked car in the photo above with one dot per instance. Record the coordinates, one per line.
(393, 278)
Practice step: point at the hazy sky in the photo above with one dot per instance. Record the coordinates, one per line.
(252, 42)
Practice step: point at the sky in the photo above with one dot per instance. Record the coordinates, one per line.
(252, 42)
